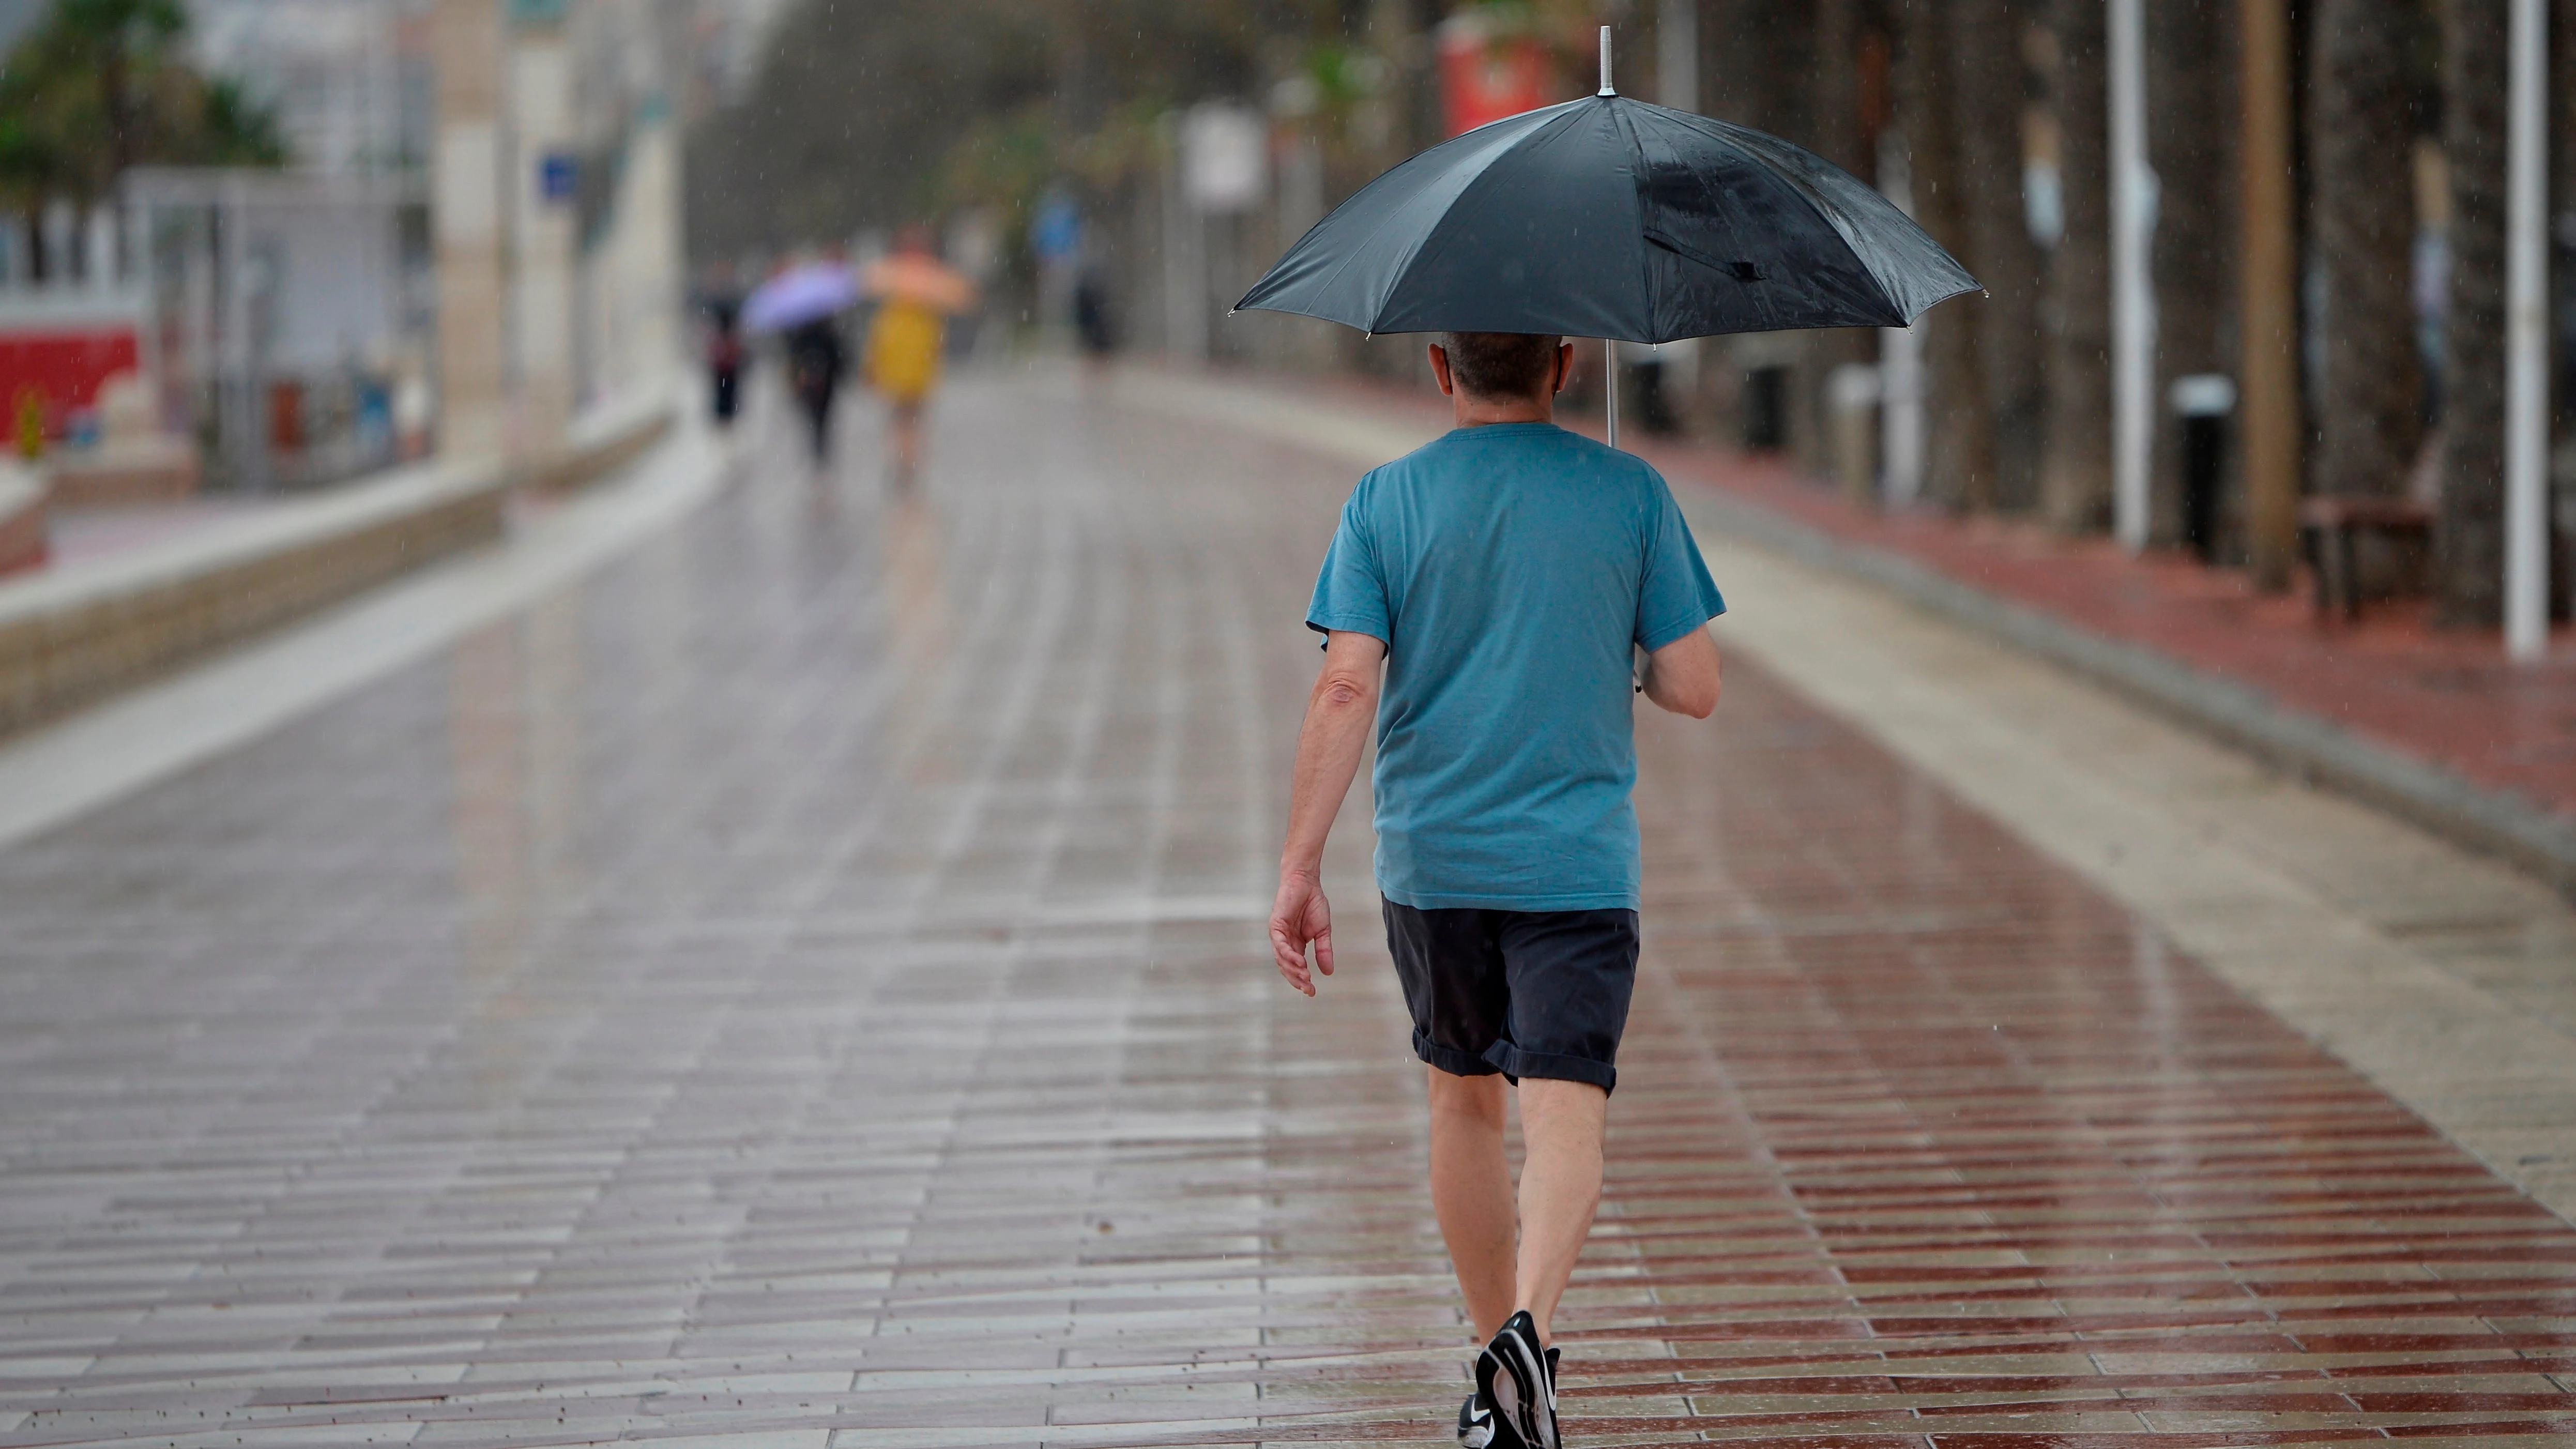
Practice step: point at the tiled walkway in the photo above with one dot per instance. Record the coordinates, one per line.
(804, 988)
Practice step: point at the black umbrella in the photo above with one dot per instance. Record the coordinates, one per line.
(1610, 218)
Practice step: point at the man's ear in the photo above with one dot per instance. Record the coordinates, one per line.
(1440, 369)
(1564, 367)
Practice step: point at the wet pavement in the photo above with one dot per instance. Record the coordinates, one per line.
(804, 987)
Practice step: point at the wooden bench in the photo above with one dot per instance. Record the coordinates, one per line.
(2329, 522)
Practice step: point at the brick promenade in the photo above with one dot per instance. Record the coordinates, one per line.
(804, 988)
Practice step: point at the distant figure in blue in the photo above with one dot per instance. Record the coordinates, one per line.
(1483, 607)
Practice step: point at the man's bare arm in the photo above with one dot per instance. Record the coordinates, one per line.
(1329, 745)
(1682, 676)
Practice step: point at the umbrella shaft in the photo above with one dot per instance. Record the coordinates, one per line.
(1610, 387)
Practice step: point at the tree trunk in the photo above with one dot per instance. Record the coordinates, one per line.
(2075, 469)
(2361, 143)
(1991, 93)
(2469, 537)
(1959, 468)
(2192, 119)
(1837, 134)
(1757, 63)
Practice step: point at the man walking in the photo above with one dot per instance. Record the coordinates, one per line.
(1498, 584)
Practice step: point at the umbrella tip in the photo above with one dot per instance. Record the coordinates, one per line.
(1605, 63)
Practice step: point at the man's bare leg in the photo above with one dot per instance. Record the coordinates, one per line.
(1561, 1126)
(1471, 1192)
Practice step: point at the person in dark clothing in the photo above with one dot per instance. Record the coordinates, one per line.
(1092, 325)
(724, 358)
(816, 360)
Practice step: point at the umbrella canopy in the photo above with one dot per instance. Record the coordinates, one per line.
(1607, 217)
(799, 295)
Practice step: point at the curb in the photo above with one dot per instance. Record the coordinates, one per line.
(2490, 821)
(70, 638)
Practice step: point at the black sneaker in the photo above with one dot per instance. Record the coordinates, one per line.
(1518, 1378)
(1476, 1423)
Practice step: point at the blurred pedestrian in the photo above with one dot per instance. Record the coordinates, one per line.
(1484, 602)
(816, 362)
(916, 293)
(1093, 327)
(724, 358)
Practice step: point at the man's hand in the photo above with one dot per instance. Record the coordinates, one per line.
(1329, 745)
(1300, 917)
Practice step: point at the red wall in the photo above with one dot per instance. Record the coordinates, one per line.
(66, 366)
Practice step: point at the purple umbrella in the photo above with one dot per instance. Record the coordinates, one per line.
(799, 295)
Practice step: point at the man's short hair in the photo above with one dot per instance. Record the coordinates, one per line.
(1501, 364)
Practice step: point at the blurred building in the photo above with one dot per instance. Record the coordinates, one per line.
(304, 324)
(348, 80)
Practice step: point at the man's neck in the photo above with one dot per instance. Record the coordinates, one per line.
(1478, 412)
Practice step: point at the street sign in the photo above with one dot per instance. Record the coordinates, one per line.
(558, 176)
(1224, 157)
(1057, 234)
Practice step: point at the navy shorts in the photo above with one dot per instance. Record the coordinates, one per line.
(1523, 993)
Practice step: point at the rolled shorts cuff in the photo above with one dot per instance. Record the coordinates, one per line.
(1515, 1063)
(1451, 1060)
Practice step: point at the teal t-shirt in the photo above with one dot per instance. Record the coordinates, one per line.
(1509, 568)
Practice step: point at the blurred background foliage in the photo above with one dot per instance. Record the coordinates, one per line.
(868, 113)
(101, 85)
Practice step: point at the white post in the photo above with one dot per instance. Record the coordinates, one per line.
(1901, 425)
(2133, 344)
(2526, 415)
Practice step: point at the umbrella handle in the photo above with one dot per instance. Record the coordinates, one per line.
(1610, 383)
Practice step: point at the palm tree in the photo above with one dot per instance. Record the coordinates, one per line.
(1836, 131)
(1757, 58)
(1991, 93)
(2469, 536)
(2361, 201)
(1959, 466)
(103, 85)
(2191, 119)
(2075, 471)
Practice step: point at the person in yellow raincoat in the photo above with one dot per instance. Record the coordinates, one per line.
(915, 293)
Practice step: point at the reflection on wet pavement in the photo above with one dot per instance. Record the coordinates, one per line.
(805, 987)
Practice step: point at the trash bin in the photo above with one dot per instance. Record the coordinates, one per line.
(1851, 405)
(2201, 404)
(1765, 409)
